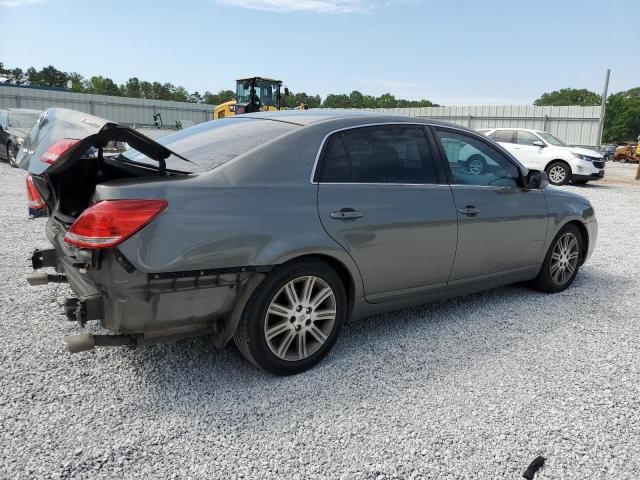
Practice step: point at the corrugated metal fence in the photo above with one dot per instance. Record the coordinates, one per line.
(128, 111)
(573, 124)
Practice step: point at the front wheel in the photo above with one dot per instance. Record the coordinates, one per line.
(559, 173)
(293, 318)
(562, 262)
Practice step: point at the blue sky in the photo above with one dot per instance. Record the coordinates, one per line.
(453, 52)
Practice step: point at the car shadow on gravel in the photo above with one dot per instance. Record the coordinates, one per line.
(411, 346)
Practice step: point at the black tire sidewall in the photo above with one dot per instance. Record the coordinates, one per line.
(544, 279)
(567, 171)
(255, 316)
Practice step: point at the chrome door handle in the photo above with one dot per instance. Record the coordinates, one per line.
(469, 211)
(346, 214)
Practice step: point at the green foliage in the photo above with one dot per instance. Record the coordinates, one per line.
(569, 96)
(136, 88)
(357, 100)
(622, 117)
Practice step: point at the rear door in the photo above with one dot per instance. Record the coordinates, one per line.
(502, 226)
(383, 198)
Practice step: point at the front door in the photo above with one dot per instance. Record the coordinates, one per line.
(502, 226)
(382, 198)
(532, 156)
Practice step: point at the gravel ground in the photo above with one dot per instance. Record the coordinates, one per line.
(469, 388)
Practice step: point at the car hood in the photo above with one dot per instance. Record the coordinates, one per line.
(585, 151)
(18, 132)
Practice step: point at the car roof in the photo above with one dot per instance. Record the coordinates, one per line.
(23, 110)
(314, 116)
(532, 130)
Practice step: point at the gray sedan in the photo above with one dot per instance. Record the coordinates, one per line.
(273, 229)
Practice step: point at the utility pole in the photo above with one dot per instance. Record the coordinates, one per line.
(602, 110)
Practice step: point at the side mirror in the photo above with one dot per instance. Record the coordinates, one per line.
(536, 180)
(539, 143)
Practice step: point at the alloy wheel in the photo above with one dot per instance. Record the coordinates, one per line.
(557, 174)
(475, 167)
(11, 155)
(564, 258)
(300, 318)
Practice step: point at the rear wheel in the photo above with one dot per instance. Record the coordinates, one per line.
(293, 318)
(562, 262)
(559, 173)
(476, 164)
(12, 151)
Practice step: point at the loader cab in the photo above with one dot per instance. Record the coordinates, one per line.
(253, 94)
(257, 94)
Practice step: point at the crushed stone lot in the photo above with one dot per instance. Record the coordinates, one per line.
(474, 387)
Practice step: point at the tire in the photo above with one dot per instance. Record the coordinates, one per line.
(559, 173)
(476, 164)
(11, 155)
(282, 338)
(551, 279)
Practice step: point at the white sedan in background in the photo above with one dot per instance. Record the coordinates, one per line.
(543, 151)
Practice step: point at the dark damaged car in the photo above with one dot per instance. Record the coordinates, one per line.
(15, 124)
(273, 229)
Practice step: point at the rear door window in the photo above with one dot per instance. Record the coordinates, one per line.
(384, 154)
(505, 136)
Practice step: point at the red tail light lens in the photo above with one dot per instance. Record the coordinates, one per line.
(34, 199)
(57, 149)
(110, 222)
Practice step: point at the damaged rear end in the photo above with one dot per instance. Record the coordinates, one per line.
(95, 203)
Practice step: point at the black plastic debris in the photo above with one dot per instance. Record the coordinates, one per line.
(533, 467)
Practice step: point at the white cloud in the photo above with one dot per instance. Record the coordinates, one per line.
(314, 6)
(17, 3)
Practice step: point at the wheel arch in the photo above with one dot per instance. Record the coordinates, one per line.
(585, 237)
(555, 160)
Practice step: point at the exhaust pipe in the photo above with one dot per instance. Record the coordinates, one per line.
(80, 343)
(89, 341)
(43, 278)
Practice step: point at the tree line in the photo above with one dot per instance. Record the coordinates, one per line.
(622, 114)
(622, 119)
(134, 87)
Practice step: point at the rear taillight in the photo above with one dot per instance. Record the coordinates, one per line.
(34, 199)
(110, 222)
(58, 148)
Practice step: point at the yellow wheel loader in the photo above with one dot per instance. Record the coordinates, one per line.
(254, 94)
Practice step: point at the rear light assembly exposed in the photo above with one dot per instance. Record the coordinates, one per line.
(35, 201)
(58, 148)
(110, 222)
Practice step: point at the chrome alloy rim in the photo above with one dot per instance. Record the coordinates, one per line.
(557, 174)
(475, 167)
(300, 318)
(564, 258)
(11, 155)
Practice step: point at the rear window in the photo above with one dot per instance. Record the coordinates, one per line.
(213, 143)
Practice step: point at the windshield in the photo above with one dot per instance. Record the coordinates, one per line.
(266, 91)
(213, 143)
(547, 137)
(23, 120)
